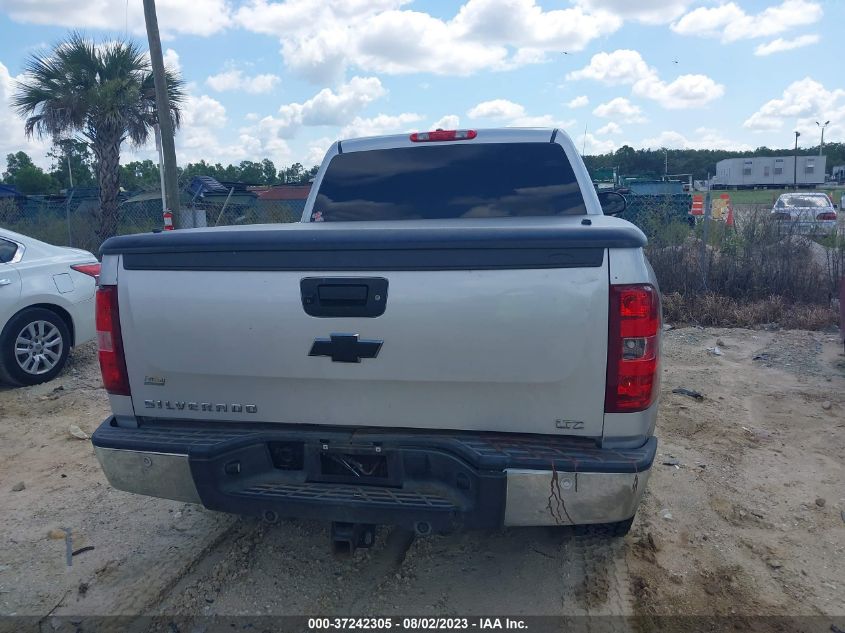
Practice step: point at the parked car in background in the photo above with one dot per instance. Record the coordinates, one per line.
(46, 306)
(807, 212)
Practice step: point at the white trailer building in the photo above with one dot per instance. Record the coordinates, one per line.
(769, 171)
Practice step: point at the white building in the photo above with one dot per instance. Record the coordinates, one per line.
(769, 171)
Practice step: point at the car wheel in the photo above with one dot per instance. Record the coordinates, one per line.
(33, 347)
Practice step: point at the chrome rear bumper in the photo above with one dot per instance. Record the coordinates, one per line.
(448, 482)
(534, 497)
(543, 497)
(164, 475)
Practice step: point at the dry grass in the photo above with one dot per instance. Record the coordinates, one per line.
(762, 271)
(710, 309)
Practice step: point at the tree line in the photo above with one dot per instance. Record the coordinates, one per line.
(30, 179)
(74, 158)
(698, 162)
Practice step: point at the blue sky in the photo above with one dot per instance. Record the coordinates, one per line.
(283, 79)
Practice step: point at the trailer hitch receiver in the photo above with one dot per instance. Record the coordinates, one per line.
(347, 537)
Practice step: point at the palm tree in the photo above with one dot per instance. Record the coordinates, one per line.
(101, 93)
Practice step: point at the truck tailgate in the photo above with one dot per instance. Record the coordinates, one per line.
(480, 330)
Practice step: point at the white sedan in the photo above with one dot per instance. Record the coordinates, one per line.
(46, 306)
(806, 212)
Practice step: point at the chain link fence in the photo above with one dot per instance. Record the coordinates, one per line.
(74, 220)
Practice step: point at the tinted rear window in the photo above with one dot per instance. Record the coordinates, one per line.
(449, 181)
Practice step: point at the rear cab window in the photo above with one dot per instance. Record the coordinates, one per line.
(483, 180)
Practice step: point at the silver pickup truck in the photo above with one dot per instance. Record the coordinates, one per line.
(454, 336)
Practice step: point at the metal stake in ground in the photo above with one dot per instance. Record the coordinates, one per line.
(68, 546)
(705, 236)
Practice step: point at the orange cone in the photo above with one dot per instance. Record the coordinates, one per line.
(697, 205)
(729, 221)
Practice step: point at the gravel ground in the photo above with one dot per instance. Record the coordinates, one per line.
(744, 515)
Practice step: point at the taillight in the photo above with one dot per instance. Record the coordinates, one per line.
(632, 349)
(443, 135)
(92, 270)
(827, 215)
(110, 342)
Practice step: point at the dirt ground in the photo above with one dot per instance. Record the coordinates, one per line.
(744, 515)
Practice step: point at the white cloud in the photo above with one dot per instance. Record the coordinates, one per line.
(625, 66)
(171, 60)
(523, 24)
(513, 115)
(779, 45)
(496, 109)
(327, 107)
(379, 125)
(320, 40)
(12, 137)
(668, 139)
(708, 21)
(267, 140)
(610, 128)
(317, 151)
(620, 109)
(203, 111)
(448, 122)
(646, 11)
(339, 107)
(198, 17)
(542, 120)
(578, 102)
(385, 47)
(204, 122)
(203, 119)
(802, 104)
(592, 145)
(706, 138)
(687, 91)
(731, 23)
(235, 79)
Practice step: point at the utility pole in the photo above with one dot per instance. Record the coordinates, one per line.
(584, 144)
(168, 148)
(157, 131)
(795, 162)
(67, 147)
(69, 171)
(822, 126)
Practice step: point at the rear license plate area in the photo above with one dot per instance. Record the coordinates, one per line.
(355, 465)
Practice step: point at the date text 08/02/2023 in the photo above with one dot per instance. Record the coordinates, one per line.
(416, 624)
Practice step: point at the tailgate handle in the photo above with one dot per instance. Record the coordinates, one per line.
(344, 296)
(332, 294)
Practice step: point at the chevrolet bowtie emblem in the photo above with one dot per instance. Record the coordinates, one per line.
(345, 348)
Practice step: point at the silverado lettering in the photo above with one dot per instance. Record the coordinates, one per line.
(180, 405)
